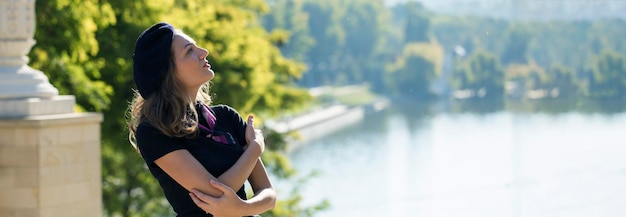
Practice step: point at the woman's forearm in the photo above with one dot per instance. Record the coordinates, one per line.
(236, 175)
(261, 202)
(264, 195)
(229, 204)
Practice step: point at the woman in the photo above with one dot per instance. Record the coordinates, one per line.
(196, 152)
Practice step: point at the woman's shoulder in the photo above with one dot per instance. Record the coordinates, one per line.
(145, 126)
(222, 109)
(228, 117)
(146, 130)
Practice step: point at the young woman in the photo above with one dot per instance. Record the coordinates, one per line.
(198, 153)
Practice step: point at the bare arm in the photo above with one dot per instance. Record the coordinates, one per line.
(264, 197)
(263, 200)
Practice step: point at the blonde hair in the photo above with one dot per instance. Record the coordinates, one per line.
(169, 109)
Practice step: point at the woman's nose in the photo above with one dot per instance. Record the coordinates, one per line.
(203, 53)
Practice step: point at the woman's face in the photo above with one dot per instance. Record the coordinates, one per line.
(192, 69)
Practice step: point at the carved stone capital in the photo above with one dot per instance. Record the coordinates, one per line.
(17, 19)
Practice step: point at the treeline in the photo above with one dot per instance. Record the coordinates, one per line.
(85, 47)
(411, 52)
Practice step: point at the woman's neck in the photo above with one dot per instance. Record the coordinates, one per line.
(192, 93)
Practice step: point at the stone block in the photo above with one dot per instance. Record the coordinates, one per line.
(47, 136)
(7, 177)
(19, 156)
(61, 155)
(26, 136)
(19, 212)
(19, 108)
(54, 196)
(91, 133)
(27, 177)
(71, 134)
(79, 209)
(70, 174)
(7, 136)
(19, 198)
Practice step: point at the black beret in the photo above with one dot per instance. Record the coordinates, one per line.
(151, 59)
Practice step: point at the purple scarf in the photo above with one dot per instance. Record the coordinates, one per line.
(218, 136)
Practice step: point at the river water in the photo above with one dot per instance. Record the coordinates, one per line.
(435, 161)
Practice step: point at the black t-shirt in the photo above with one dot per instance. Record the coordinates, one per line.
(216, 157)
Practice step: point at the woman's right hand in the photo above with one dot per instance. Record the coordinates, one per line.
(254, 137)
(226, 205)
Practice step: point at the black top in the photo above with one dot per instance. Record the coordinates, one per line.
(216, 157)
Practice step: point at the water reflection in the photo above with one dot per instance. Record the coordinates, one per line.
(451, 159)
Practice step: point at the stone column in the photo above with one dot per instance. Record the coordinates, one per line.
(49, 154)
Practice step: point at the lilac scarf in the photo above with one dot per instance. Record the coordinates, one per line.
(218, 136)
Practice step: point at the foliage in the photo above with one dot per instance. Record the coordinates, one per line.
(364, 29)
(608, 78)
(338, 43)
(516, 46)
(481, 71)
(417, 23)
(565, 80)
(289, 15)
(414, 71)
(66, 49)
(328, 35)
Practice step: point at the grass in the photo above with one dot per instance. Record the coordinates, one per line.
(361, 97)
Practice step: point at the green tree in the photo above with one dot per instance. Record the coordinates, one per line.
(323, 59)
(608, 78)
(414, 71)
(482, 70)
(516, 45)
(417, 23)
(565, 80)
(289, 15)
(364, 30)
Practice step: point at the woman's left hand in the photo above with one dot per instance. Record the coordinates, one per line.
(226, 205)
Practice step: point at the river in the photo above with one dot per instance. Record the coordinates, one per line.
(438, 161)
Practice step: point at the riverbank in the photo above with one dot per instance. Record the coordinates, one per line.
(328, 118)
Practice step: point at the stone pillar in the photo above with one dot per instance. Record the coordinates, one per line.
(49, 154)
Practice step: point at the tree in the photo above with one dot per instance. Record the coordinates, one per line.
(414, 71)
(417, 23)
(289, 15)
(516, 46)
(565, 80)
(326, 30)
(608, 80)
(364, 27)
(482, 70)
